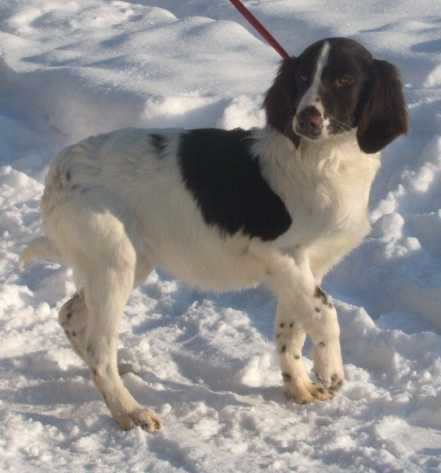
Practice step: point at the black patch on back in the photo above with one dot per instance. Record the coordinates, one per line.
(159, 142)
(224, 177)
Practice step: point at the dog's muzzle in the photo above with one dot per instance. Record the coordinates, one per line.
(309, 123)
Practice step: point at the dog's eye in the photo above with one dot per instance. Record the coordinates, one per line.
(344, 81)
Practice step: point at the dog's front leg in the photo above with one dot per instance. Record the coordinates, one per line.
(303, 307)
(319, 319)
(324, 331)
(290, 337)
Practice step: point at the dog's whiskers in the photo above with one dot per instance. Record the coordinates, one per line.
(340, 124)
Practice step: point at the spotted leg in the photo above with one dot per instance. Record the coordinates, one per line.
(73, 319)
(106, 292)
(290, 338)
(302, 308)
(104, 256)
(324, 331)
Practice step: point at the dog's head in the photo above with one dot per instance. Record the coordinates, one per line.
(335, 86)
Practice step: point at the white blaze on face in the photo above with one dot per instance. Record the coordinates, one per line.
(311, 96)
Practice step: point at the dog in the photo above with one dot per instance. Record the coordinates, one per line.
(224, 210)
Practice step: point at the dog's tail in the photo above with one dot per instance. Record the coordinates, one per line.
(40, 248)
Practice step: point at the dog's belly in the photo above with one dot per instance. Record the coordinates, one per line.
(211, 263)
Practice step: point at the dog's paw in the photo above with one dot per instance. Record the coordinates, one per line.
(336, 382)
(328, 366)
(143, 418)
(305, 392)
(333, 384)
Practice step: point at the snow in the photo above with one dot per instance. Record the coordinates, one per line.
(205, 362)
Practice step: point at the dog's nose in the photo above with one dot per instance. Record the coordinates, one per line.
(310, 122)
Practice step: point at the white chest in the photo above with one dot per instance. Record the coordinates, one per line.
(325, 188)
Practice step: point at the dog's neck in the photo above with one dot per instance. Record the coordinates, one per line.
(326, 183)
(335, 158)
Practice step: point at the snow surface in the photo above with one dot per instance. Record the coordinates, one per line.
(206, 362)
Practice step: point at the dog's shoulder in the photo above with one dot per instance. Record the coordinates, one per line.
(223, 174)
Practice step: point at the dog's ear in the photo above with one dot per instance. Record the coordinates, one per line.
(384, 116)
(281, 100)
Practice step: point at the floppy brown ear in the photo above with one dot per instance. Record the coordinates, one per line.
(384, 116)
(281, 100)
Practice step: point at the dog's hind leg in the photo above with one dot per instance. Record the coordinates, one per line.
(106, 294)
(101, 251)
(73, 319)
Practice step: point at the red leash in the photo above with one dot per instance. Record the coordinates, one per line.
(260, 28)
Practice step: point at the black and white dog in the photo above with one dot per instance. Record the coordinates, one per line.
(225, 210)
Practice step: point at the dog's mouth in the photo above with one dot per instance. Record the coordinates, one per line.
(312, 135)
(325, 128)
